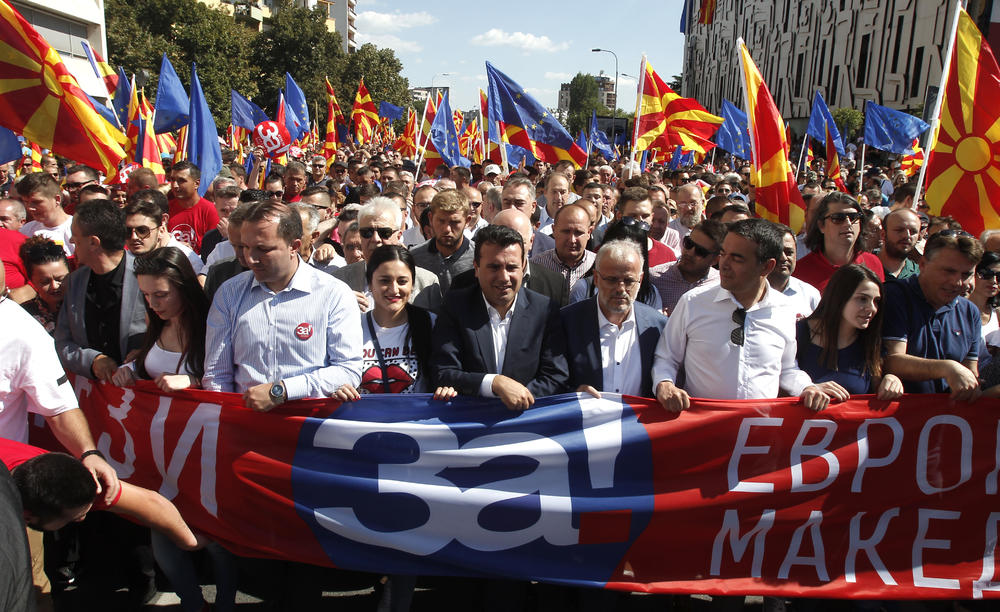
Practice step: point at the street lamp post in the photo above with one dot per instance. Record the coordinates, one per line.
(614, 109)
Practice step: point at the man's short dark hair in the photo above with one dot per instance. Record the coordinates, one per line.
(238, 171)
(53, 484)
(497, 235)
(230, 191)
(94, 188)
(87, 170)
(958, 240)
(714, 229)
(296, 167)
(766, 235)
(143, 176)
(154, 196)
(368, 191)
(193, 170)
(103, 219)
(289, 220)
(632, 194)
(465, 172)
(904, 191)
(40, 182)
(146, 208)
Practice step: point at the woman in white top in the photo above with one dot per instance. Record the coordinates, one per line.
(986, 295)
(173, 354)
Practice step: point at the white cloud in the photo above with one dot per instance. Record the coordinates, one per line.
(558, 76)
(372, 22)
(539, 91)
(496, 37)
(390, 41)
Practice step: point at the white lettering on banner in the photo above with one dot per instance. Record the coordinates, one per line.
(864, 461)
(204, 420)
(818, 560)
(924, 454)
(991, 478)
(922, 542)
(741, 448)
(453, 512)
(738, 545)
(800, 449)
(603, 437)
(985, 582)
(126, 467)
(857, 544)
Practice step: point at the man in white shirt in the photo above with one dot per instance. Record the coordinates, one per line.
(42, 198)
(804, 297)
(690, 209)
(737, 340)
(557, 195)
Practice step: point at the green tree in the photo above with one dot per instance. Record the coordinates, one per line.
(140, 31)
(381, 69)
(584, 98)
(676, 82)
(849, 120)
(297, 42)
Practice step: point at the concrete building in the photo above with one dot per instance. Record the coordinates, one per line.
(886, 51)
(64, 24)
(605, 93)
(340, 15)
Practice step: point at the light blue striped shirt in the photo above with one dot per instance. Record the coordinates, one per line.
(306, 335)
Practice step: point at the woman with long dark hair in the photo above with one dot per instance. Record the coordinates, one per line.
(841, 341)
(627, 228)
(173, 355)
(986, 295)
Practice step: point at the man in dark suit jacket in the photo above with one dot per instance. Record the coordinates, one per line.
(538, 279)
(627, 331)
(498, 339)
(103, 316)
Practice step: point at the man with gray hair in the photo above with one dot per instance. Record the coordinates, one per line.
(519, 192)
(12, 214)
(380, 222)
(317, 171)
(611, 338)
(310, 231)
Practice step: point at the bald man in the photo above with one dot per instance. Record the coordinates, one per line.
(537, 278)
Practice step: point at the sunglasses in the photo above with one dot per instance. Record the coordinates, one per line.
(737, 336)
(142, 231)
(840, 217)
(988, 274)
(952, 232)
(75, 186)
(276, 194)
(633, 222)
(383, 232)
(699, 250)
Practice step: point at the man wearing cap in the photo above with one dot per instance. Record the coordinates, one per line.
(491, 174)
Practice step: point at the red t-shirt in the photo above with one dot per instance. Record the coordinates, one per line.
(13, 267)
(816, 269)
(660, 253)
(188, 225)
(14, 453)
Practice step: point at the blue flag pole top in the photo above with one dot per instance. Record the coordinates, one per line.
(820, 120)
(733, 135)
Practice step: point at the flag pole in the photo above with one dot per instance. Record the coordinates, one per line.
(861, 167)
(638, 107)
(484, 124)
(802, 153)
(945, 69)
(420, 131)
(746, 101)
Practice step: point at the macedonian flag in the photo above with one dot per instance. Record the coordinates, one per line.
(663, 111)
(778, 197)
(910, 164)
(963, 166)
(40, 99)
(407, 143)
(364, 114)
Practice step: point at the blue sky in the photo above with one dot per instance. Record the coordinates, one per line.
(538, 44)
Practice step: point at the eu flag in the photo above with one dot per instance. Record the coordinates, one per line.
(820, 120)
(203, 136)
(598, 139)
(527, 124)
(390, 111)
(295, 101)
(581, 140)
(444, 137)
(123, 93)
(733, 135)
(172, 104)
(891, 130)
(10, 146)
(244, 113)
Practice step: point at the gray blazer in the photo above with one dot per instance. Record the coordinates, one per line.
(426, 289)
(71, 330)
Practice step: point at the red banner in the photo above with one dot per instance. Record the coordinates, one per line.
(867, 499)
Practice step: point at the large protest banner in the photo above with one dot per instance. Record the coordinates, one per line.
(864, 500)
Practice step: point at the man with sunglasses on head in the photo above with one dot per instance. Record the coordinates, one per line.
(834, 240)
(380, 222)
(695, 268)
(736, 340)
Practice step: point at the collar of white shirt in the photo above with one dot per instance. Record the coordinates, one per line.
(602, 321)
(301, 280)
(494, 314)
(765, 302)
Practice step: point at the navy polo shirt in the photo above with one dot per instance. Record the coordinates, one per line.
(950, 332)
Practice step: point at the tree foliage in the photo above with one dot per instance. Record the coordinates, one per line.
(849, 120)
(231, 56)
(584, 98)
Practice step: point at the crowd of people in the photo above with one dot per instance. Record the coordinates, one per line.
(363, 275)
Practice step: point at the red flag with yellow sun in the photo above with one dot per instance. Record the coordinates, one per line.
(40, 99)
(963, 166)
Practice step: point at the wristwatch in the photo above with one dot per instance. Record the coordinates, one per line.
(277, 393)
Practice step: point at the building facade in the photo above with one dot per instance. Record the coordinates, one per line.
(886, 51)
(340, 15)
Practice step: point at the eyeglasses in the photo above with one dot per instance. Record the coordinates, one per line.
(633, 222)
(988, 274)
(952, 232)
(276, 194)
(699, 250)
(740, 318)
(383, 232)
(614, 281)
(840, 217)
(142, 231)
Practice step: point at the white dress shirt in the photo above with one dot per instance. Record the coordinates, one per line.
(697, 337)
(805, 297)
(306, 335)
(620, 358)
(500, 327)
(681, 229)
